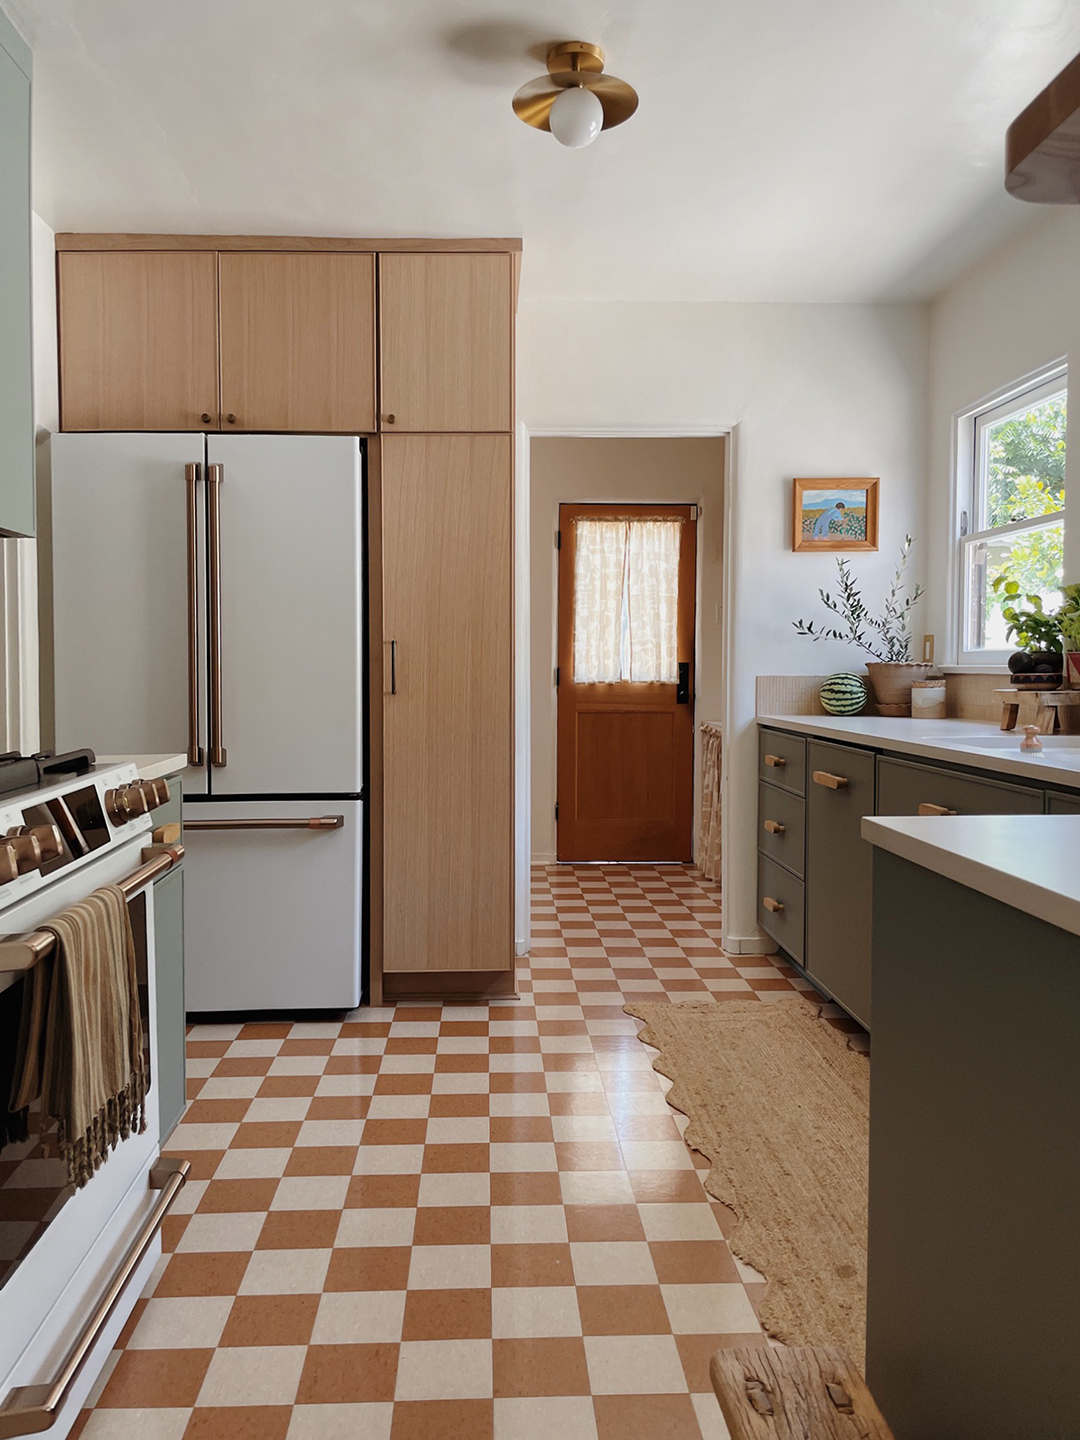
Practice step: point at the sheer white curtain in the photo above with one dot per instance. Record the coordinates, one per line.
(626, 601)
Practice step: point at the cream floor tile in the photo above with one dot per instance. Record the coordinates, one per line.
(528, 1224)
(634, 1365)
(399, 1107)
(310, 1192)
(183, 1323)
(214, 1032)
(345, 1085)
(238, 1231)
(163, 1424)
(253, 1047)
(534, 1312)
(656, 1155)
(253, 1375)
(612, 1262)
(202, 1137)
(444, 1370)
(583, 1127)
(341, 1422)
(407, 1065)
(525, 1156)
(298, 1065)
(450, 1267)
(252, 1164)
(458, 1130)
(710, 1417)
(465, 1188)
(187, 1202)
(277, 1109)
(679, 1222)
(518, 1104)
(381, 1226)
(230, 1087)
(451, 1083)
(566, 1082)
(285, 1272)
(330, 1132)
(362, 1317)
(388, 1160)
(569, 1417)
(414, 1029)
(595, 1187)
(710, 1309)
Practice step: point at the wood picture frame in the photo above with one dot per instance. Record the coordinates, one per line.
(834, 514)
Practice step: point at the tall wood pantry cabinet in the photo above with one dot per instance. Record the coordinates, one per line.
(410, 344)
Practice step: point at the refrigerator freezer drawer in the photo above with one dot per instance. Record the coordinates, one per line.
(272, 910)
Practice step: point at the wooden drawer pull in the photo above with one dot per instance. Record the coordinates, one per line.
(927, 809)
(773, 906)
(774, 827)
(776, 761)
(831, 782)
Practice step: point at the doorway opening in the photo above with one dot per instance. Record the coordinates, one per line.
(615, 725)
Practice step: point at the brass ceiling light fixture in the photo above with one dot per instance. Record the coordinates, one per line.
(575, 100)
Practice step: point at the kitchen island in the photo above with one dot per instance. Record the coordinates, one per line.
(973, 1303)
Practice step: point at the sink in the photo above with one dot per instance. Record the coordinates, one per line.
(1007, 742)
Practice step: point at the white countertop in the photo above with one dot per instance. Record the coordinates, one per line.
(947, 740)
(1026, 861)
(150, 767)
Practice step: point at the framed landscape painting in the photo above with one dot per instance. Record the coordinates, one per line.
(835, 515)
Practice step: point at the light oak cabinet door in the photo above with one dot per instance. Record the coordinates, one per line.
(297, 342)
(446, 339)
(447, 706)
(138, 340)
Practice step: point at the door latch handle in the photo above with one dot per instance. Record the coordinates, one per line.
(682, 689)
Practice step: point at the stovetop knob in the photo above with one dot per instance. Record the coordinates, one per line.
(27, 851)
(9, 865)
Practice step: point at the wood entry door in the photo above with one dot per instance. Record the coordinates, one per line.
(626, 743)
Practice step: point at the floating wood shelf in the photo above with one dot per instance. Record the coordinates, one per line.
(1042, 146)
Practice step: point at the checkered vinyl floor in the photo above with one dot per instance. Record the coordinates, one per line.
(467, 1221)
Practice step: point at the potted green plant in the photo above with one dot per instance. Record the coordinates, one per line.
(1068, 619)
(1034, 631)
(885, 637)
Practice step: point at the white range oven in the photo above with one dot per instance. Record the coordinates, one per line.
(73, 1261)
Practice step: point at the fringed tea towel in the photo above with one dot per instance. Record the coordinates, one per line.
(81, 1037)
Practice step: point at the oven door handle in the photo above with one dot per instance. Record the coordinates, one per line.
(30, 1409)
(195, 749)
(314, 822)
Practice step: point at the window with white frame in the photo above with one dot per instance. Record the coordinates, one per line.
(1012, 522)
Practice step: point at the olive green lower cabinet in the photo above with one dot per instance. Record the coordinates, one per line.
(839, 873)
(1058, 803)
(169, 1070)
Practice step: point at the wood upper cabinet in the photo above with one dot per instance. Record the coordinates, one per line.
(138, 340)
(447, 707)
(446, 339)
(297, 342)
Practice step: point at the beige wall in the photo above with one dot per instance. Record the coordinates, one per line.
(638, 470)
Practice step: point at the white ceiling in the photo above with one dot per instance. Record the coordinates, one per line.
(783, 150)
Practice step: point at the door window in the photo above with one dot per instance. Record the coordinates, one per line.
(626, 601)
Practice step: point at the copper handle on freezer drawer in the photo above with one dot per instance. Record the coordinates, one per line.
(30, 1409)
(831, 782)
(315, 822)
(214, 477)
(195, 751)
(773, 906)
(927, 809)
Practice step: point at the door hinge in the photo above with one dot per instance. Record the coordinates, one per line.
(558, 539)
(556, 809)
(556, 677)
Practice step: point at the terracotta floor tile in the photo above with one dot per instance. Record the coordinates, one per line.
(646, 1417)
(368, 1192)
(443, 1420)
(216, 1112)
(266, 1135)
(588, 1155)
(523, 1082)
(603, 1222)
(452, 1225)
(306, 1046)
(526, 1187)
(222, 1196)
(403, 1084)
(288, 1087)
(690, 1262)
(298, 1230)
(539, 1367)
(348, 1374)
(461, 1064)
(244, 1065)
(695, 1352)
(270, 1320)
(149, 1379)
(573, 1103)
(239, 1422)
(447, 1315)
(352, 1065)
(204, 1163)
(321, 1160)
(508, 1129)
(394, 1132)
(455, 1159)
(446, 1107)
(338, 1107)
(378, 1267)
(531, 1265)
(203, 1274)
(652, 1187)
(623, 1310)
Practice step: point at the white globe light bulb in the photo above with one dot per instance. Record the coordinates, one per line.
(577, 117)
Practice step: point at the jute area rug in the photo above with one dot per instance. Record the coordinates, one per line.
(780, 1105)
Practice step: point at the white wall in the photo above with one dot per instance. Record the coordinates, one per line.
(1017, 311)
(809, 390)
(639, 470)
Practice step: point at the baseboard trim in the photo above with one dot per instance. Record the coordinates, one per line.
(438, 984)
(748, 944)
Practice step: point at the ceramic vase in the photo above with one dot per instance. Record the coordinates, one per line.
(892, 683)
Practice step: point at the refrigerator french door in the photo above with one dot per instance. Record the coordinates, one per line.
(207, 599)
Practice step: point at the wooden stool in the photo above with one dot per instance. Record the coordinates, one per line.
(812, 1392)
(1050, 702)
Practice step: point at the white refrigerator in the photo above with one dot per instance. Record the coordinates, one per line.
(208, 599)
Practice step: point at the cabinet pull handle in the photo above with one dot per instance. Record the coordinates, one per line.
(215, 474)
(195, 750)
(927, 809)
(773, 906)
(776, 761)
(774, 827)
(831, 782)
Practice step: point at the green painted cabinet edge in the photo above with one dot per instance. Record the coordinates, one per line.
(170, 1069)
(17, 491)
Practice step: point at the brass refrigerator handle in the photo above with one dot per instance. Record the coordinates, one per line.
(195, 751)
(314, 822)
(214, 476)
(30, 1409)
(20, 953)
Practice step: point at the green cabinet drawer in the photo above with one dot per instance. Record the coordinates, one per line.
(839, 873)
(1063, 802)
(782, 827)
(172, 812)
(169, 1074)
(782, 759)
(780, 906)
(904, 786)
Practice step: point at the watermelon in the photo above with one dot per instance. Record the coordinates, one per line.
(843, 694)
